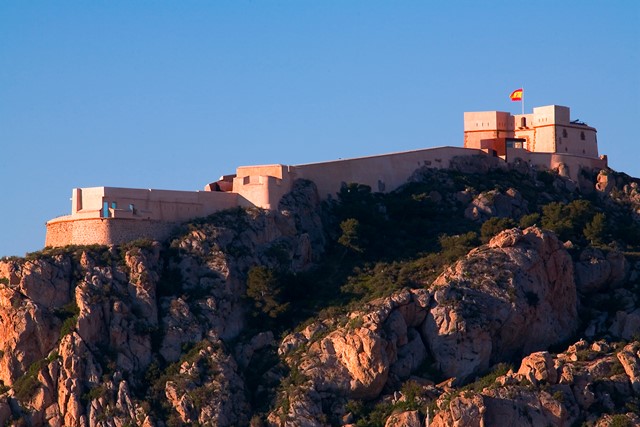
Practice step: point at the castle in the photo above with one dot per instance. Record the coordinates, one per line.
(108, 215)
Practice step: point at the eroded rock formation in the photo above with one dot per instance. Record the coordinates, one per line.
(164, 333)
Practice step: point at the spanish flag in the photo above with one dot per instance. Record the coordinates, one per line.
(516, 95)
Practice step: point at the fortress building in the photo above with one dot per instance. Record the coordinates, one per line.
(548, 130)
(107, 215)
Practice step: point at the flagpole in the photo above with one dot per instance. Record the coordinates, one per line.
(522, 100)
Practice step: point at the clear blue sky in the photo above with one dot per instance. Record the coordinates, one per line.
(173, 94)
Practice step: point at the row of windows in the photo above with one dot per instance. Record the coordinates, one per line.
(114, 205)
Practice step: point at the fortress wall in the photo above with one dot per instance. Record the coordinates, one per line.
(59, 233)
(214, 201)
(86, 199)
(122, 231)
(473, 139)
(277, 171)
(574, 144)
(382, 173)
(262, 191)
(161, 205)
(104, 231)
(154, 217)
(571, 164)
(544, 139)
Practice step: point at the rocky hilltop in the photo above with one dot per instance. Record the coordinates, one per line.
(470, 297)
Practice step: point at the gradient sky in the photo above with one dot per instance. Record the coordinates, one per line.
(173, 94)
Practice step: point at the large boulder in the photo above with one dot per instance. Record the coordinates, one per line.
(358, 358)
(494, 203)
(522, 281)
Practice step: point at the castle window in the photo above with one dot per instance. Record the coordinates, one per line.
(131, 207)
(105, 210)
(113, 205)
(523, 122)
(582, 136)
(564, 133)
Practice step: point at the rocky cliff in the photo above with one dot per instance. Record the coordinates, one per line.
(469, 297)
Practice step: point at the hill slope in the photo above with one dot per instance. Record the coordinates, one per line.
(468, 296)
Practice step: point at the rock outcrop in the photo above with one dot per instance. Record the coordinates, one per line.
(520, 280)
(560, 390)
(494, 203)
(84, 329)
(471, 318)
(174, 333)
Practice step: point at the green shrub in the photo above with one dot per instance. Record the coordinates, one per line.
(620, 420)
(569, 221)
(68, 310)
(68, 313)
(554, 218)
(493, 226)
(68, 326)
(489, 379)
(529, 220)
(26, 386)
(264, 289)
(453, 247)
(95, 393)
(594, 231)
(351, 237)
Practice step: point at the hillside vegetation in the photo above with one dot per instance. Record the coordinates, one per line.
(474, 296)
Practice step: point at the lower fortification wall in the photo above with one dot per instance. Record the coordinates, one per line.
(382, 173)
(105, 231)
(568, 165)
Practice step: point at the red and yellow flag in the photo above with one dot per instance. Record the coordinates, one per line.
(516, 95)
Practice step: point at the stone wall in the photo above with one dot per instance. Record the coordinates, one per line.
(105, 231)
(566, 164)
(382, 173)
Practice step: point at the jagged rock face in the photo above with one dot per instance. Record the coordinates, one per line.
(509, 405)
(472, 317)
(210, 372)
(79, 329)
(27, 333)
(520, 280)
(84, 332)
(53, 342)
(630, 359)
(562, 390)
(538, 367)
(596, 272)
(405, 419)
(494, 203)
(358, 358)
(377, 346)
